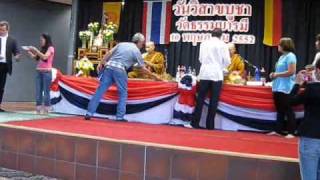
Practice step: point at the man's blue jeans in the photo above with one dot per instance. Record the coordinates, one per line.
(110, 76)
(309, 149)
(43, 82)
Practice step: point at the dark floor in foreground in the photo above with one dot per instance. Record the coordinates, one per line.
(19, 175)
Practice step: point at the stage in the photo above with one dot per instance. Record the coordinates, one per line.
(69, 147)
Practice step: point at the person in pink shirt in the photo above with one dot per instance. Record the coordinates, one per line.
(44, 56)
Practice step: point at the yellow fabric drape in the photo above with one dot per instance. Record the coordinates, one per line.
(268, 23)
(237, 64)
(272, 22)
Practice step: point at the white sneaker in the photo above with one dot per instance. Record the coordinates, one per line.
(46, 110)
(38, 110)
(273, 133)
(188, 126)
(289, 136)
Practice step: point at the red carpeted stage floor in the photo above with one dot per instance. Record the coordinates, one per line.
(243, 143)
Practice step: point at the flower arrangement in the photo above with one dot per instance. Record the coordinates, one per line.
(235, 78)
(94, 27)
(109, 30)
(112, 27)
(84, 66)
(96, 32)
(84, 37)
(107, 35)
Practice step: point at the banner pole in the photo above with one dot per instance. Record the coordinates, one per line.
(72, 36)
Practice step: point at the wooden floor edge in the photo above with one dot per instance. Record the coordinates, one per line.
(201, 150)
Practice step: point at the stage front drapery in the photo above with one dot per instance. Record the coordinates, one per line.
(157, 102)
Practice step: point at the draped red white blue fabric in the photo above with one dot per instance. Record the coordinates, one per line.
(148, 101)
(156, 21)
(243, 108)
(185, 105)
(240, 107)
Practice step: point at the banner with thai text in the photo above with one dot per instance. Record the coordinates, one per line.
(197, 20)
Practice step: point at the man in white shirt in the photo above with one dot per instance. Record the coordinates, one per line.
(8, 48)
(317, 57)
(214, 58)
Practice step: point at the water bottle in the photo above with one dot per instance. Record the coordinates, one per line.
(178, 73)
(189, 70)
(194, 73)
(249, 78)
(263, 76)
(257, 75)
(183, 71)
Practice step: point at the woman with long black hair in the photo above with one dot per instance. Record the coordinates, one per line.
(44, 56)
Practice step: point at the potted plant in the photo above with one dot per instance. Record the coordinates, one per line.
(84, 37)
(94, 29)
(108, 33)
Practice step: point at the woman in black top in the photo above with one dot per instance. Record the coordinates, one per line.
(309, 129)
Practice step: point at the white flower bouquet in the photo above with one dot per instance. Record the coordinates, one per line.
(112, 27)
(107, 35)
(84, 35)
(94, 27)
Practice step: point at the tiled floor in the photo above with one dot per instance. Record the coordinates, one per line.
(18, 106)
(21, 111)
(24, 116)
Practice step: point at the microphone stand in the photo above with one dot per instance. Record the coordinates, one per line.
(248, 63)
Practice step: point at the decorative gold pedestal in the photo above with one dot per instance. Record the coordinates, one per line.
(94, 56)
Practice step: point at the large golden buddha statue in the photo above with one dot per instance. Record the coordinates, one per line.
(154, 61)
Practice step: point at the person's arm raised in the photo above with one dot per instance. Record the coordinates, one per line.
(32, 55)
(42, 56)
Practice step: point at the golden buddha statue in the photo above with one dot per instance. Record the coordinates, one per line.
(154, 61)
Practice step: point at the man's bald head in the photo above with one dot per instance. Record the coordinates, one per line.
(150, 46)
(232, 48)
(150, 43)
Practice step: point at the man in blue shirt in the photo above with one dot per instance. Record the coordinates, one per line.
(114, 68)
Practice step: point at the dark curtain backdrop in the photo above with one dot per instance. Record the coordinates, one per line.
(131, 19)
(89, 11)
(301, 21)
(131, 16)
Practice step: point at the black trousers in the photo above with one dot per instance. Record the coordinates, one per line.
(205, 86)
(285, 115)
(3, 78)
